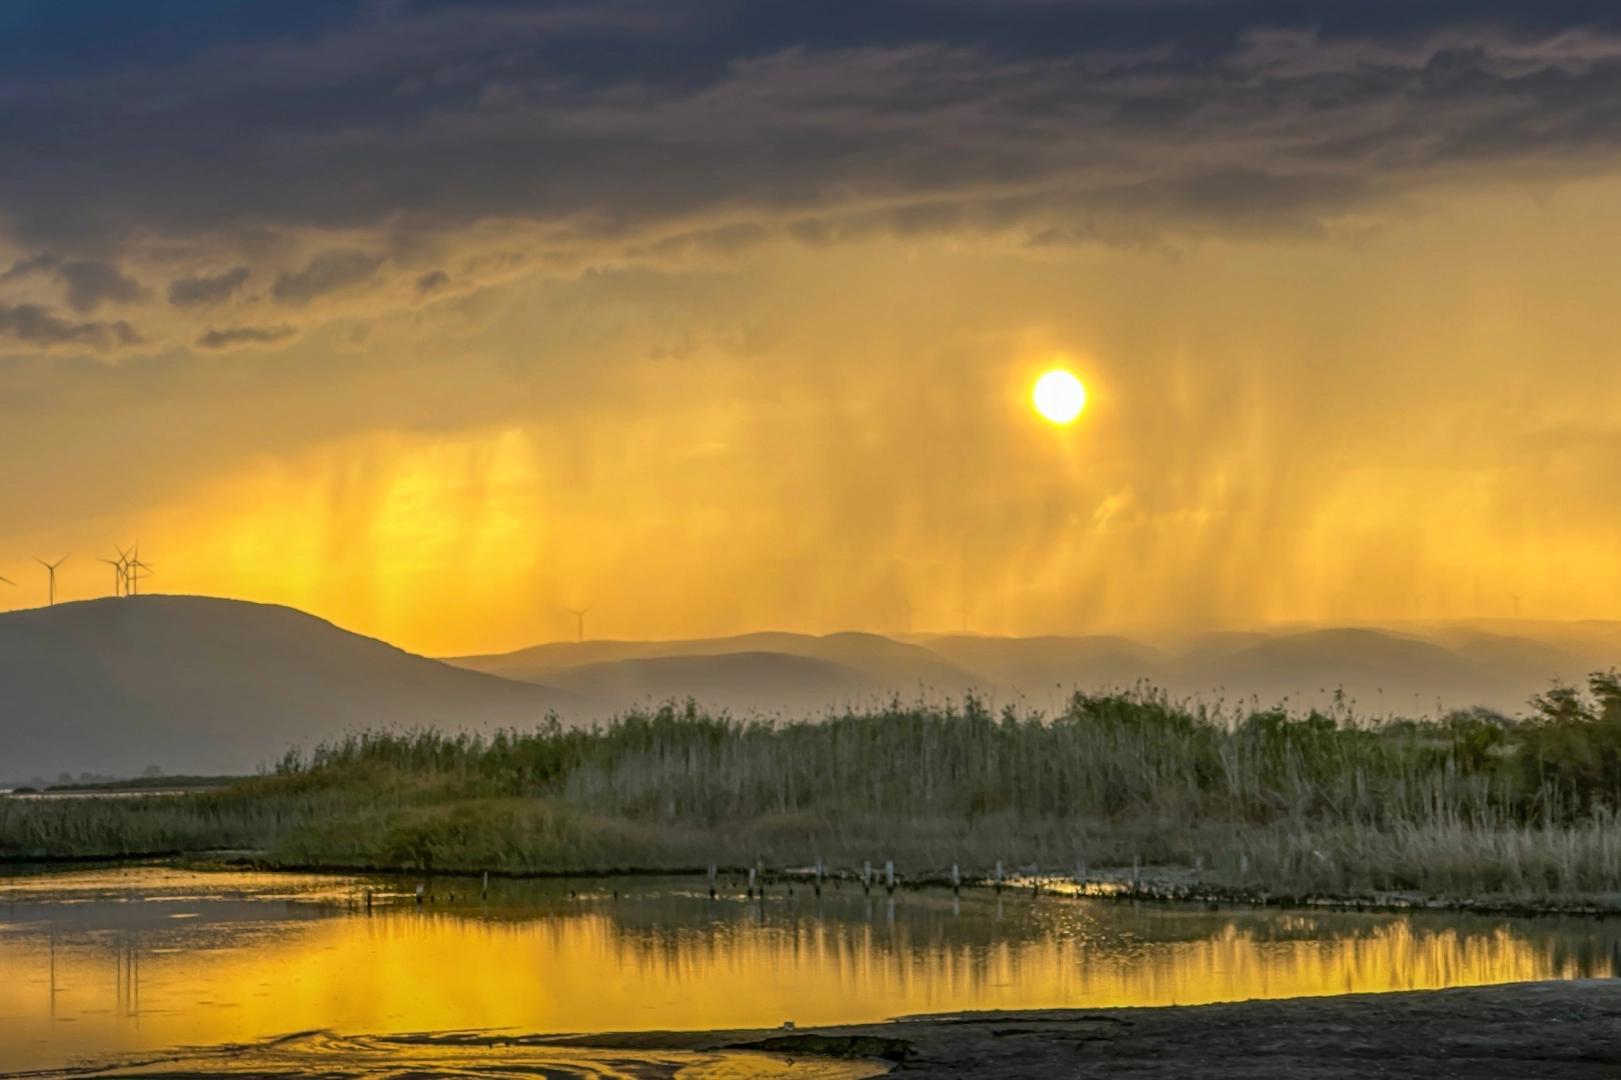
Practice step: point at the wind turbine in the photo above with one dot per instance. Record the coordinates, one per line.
(118, 574)
(133, 568)
(579, 617)
(8, 581)
(50, 568)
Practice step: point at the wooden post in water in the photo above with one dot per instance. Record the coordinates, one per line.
(818, 875)
(751, 883)
(889, 875)
(713, 870)
(1136, 869)
(866, 877)
(956, 879)
(998, 875)
(419, 894)
(484, 894)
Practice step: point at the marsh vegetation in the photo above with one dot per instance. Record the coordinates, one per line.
(1470, 805)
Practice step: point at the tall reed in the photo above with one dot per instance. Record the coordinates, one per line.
(1319, 800)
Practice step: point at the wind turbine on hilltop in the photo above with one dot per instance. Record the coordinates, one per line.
(579, 617)
(133, 566)
(50, 568)
(118, 573)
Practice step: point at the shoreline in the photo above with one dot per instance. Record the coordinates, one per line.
(1569, 1029)
(1100, 887)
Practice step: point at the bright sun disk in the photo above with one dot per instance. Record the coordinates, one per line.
(1059, 396)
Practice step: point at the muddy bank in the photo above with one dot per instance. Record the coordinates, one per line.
(1570, 1030)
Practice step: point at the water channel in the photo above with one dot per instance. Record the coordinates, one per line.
(107, 965)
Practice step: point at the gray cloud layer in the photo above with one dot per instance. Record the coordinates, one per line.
(624, 127)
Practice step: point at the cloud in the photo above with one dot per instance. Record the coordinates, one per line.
(327, 272)
(34, 264)
(244, 335)
(432, 281)
(91, 283)
(35, 325)
(197, 291)
(621, 124)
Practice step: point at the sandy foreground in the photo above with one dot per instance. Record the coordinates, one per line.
(1552, 1029)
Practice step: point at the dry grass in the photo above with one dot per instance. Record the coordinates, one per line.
(1467, 807)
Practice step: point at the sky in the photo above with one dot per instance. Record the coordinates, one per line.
(445, 320)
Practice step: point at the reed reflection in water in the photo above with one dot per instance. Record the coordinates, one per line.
(111, 962)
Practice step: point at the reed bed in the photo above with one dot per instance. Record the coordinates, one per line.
(1469, 805)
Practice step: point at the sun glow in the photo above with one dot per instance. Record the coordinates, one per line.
(1059, 396)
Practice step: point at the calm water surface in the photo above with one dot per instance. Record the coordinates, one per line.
(106, 964)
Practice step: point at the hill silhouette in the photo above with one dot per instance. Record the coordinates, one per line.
(1380, 671)
(746, 683)
(872, 654)
(201, 685)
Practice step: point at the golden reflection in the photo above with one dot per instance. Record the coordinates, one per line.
(170, 970)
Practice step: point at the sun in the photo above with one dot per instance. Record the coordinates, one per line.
(1059, 396)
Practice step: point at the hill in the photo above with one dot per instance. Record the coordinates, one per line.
(201, 685)
(745, 683)
(1381, 671)
(768, 673)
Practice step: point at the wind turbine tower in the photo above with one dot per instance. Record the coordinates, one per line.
(133, 570)
(50, 568)
(579, 622)
(118, 575)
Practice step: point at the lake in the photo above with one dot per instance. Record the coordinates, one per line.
(106, 965)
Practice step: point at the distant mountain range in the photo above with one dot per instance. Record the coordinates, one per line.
(201, 685)
(1379, 671)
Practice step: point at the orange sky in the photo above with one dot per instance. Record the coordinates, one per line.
(392, 320)
(1420, 421)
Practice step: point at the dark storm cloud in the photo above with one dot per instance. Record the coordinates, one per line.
(192, 292)
(616, 117)
(34, 325)
(432, 281)
(244, 335)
